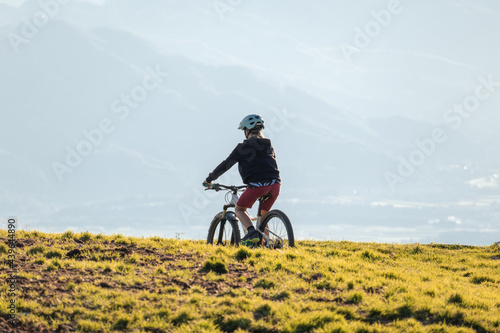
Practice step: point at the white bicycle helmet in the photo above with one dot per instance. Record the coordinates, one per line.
(251, 121)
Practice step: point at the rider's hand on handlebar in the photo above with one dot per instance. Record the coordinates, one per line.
(207, 185)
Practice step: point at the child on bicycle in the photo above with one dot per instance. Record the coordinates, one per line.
(258, 169)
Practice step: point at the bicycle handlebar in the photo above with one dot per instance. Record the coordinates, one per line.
(220, 187)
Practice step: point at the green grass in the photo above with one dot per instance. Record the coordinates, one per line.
(127, 284)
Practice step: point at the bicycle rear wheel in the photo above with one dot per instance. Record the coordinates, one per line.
(277, 226)
(223, 232)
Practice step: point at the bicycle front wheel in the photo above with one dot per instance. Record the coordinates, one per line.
(278, 228)
(223, 231)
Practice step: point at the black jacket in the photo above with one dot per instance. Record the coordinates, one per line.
(256, 161)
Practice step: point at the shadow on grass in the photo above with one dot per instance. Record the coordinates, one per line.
(425, 316)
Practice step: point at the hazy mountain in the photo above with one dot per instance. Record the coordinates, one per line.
(144, 176)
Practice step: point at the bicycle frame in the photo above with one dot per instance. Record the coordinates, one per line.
(270, 237)
(232, 204)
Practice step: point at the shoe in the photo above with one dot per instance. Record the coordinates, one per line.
(250, 239)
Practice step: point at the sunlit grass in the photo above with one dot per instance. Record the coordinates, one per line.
(120, 283)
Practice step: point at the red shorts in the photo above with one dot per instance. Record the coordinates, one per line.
(248, 198)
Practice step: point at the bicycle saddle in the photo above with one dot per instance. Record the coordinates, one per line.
(265, 197)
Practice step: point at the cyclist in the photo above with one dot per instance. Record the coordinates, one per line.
(258, 169)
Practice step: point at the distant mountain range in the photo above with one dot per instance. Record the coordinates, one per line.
(142, 176)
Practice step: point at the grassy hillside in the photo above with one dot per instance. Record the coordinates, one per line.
(117, 283)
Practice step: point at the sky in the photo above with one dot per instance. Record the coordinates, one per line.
(17, 3)
(14, 3)
(384, 114)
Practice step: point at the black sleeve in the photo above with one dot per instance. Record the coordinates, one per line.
(232, 159)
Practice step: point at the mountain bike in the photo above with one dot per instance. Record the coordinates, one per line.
(275, 228)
